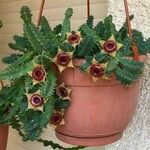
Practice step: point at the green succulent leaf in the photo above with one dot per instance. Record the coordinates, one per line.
(84, 47)
(124, 29)
(17, 72)
(48, 33)
(84, 67)
(26, 14)
(103, 29)
(88, 32)
(143, 45)
(21, 44)
(11, 59)
(36, 39)
(58, 29)
(90, 21)
(21, 60)
(67, 47)
(101, 57)
(62, 104)
(111, 67)
(128, 76)
(57, 146)
(126, 50)
(131, 64)
(66, 27)
(123, 77)
(47, 89)
(69, 13)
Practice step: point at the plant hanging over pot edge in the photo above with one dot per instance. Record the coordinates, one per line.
(35, 95)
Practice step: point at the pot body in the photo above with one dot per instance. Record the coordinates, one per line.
(99, 111)
(3, 137)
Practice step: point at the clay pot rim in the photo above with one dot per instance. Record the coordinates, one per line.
(78, 61)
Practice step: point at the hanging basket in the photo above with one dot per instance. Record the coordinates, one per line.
(99, 112)
(95, 70)
(3, 137)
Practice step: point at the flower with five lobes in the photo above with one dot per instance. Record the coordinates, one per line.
(35, 101)
(74, 38)
(110, 46)
(97, 70)
(63, 92)
(57, 119)
(38, 74)
(63, 60)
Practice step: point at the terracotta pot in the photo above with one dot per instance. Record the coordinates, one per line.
(99, 111)
(3, 137)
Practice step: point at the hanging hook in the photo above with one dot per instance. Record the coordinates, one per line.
(40, 12)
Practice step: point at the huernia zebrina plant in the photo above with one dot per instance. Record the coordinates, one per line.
(35, 98)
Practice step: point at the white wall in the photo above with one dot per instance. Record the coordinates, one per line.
(137, 136)
(54, 11)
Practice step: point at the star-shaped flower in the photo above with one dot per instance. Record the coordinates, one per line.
(63, 92)
(35, 101)
(110, 46)
(97, 70)
(63, 60)
(38, 74)
(57, 119)
(74, 38)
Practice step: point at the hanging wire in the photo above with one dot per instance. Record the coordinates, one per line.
(88, 8)
(128, 19)
(40, 12)
(134, 46)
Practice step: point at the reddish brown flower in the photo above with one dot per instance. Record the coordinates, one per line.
(63, 60)
(63, 92)
(74, 38)
(57, 119)
(35, 101)
(38, 74)
(97, 70)
(110, 46)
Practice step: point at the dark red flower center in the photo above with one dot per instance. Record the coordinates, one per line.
(38, 73)
(63, 59)
(74, 38)
(56, 119)
(36, 100)
(97, 71)
(62, 92)
(110, 46)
